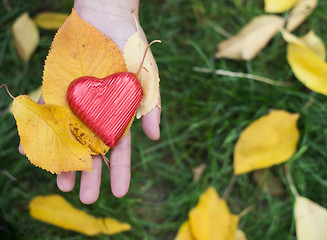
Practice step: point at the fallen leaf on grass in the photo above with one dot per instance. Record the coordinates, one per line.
(46, 137)
(209, 219)
(279, 6)
(268, 183)
(270, 140)
(299, 13)
(55, 210)
(251, 39)
(149, 77)
(50, 20)
(310, 219)
(26, 36)
(240, 235)
(198, 171)
(184, 232)
(78, 49)
(307, 65)
(315, 44)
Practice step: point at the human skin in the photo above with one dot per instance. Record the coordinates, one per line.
(113, 18)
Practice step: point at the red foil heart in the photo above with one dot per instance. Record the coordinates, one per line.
(106, 105)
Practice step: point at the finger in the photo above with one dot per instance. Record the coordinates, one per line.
(151, 122)
(90, 182)
(20, 149)
(66, 181)
(120, 166)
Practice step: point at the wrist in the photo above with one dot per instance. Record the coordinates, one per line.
(116, 7)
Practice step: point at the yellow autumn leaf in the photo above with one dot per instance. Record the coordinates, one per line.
(251, 39)
(307, 66)
(50, 20)
(310, 220)
(78, 49)
(210, 219)
(184, 232)
(46, 137)
(149, 77)
(26, 36)
(55, 210)
(85, 135)
(315, 44)
(34, 95)
(279, 6)
(269, 140)
(299, 13)
(240, 235)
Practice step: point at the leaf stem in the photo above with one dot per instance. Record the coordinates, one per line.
(5, 85)
(290, 180)
(230, 187)
(246, 211)
(242, 75)
(146, 50)
(107, 162)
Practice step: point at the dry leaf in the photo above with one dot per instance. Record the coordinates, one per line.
(268, 183)
(279, 6)
(299, 13)
(251, 39)
(211, 219)
(86, 136)
(79, 49)
(311, 220)
(270, 140)
(198, 171)
(307, 66)
(184, 232)
(55, 210)
(50, 20)
(26, 36)
(34, 95)
(46, 137)
(149, 77)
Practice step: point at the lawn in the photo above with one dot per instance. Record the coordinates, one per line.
(202, 117)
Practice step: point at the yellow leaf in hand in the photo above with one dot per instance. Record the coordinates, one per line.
(251, 39)
(85, 135)
(149, 77)
(34, 95)
(307, 65)
(55, 210)
(50, 20)
(26, 36)
(79, 49)
(279, 6)
(310, 219)
(299, 13)
(211, 219)
(270, 140)
(46, 137)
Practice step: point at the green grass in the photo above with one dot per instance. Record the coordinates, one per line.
(202, 117)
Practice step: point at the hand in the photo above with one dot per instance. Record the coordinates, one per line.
(114, 19)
